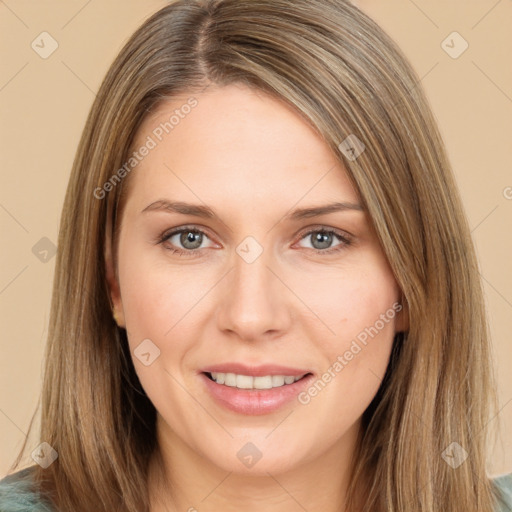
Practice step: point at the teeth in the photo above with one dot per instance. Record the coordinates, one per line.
(277, 380)
(247, 382)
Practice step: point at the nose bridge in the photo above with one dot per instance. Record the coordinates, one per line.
(251, 274)
(254, 300)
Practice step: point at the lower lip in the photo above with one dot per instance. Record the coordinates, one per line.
(255, 401)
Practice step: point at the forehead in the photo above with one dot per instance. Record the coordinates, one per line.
(235, 143)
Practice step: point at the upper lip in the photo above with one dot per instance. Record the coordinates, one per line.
(255, 371)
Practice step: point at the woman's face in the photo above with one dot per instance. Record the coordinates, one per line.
(260, 286)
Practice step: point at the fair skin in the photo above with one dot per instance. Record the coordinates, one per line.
(252, 160)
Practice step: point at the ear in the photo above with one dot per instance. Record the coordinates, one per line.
(402, 316)
(113, 281)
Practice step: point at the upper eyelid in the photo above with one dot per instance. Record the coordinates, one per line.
(321, 227)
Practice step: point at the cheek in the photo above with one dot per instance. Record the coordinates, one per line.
(160, 304)
(366, 328)
(360, 310)
(157, 297)
(343, 301)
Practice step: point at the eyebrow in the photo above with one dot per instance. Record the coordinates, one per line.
(197, 210)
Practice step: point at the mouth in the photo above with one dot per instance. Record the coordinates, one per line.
(241, 381)
(254, 391)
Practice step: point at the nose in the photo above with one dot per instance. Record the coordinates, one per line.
(255, 303)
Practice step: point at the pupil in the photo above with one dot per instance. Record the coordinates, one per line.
(323, 238)
(189, 238)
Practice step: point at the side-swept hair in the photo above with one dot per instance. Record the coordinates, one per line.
(344, 76)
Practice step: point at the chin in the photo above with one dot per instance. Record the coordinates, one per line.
(258, 458)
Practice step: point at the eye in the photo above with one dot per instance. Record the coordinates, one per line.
(322, 240)
(187, 240)
(190, 238)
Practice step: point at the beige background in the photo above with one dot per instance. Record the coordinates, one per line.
(44, 103)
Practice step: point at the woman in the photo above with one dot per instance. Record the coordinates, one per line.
(266, 294)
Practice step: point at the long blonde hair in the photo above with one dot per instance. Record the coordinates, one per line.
(344, 76)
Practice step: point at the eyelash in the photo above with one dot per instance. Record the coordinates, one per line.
(344, 238)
